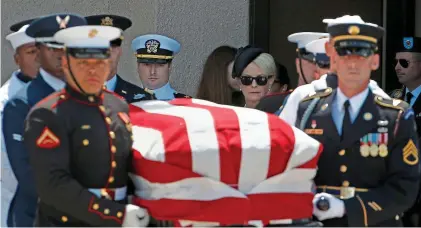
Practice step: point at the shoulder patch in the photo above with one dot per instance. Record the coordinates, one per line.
(321, 93)
(397, 93)
(391, 103)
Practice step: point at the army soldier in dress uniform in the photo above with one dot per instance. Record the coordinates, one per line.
(130, 92)
(369, 170)
(81, 178)
(408, 70)
(154, 55)
(306, 70)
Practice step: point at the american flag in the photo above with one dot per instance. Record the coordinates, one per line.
(196, 161)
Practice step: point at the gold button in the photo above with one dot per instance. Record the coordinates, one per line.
(108, 120)
(119, 214)
(91, 98)
(129, 127)
(345, 183)
(397, 217)
(85, 142)
(64, 219)
(342, 152)
(113, 149)
(111, 179)
(114, 164)
(131, 136)
(106, 211)
(95, 206)
(63, 96)
(102, 108)
(112, 134)
(343, 168)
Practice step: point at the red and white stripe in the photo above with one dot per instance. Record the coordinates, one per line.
(199, 161)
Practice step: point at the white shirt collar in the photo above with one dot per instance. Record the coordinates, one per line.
(356, 102)
(112, 83)
(52, 81)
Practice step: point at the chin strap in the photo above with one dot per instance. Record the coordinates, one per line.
(301, 68)
(74, 78)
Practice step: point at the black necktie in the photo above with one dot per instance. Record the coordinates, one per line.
(409, 97)
(346, 123)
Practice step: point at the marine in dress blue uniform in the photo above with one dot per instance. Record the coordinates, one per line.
(16, 109)
(79, 140)
(19, 78)
(369, 169)
(406, 65)
(116, 83)
(153, 51)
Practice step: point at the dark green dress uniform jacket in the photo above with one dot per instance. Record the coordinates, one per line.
(378, 183)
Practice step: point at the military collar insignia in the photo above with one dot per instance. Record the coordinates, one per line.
(152, 46)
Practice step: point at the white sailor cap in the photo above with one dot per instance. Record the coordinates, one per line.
(303, 38)
(88, 36)
(153, 48)
(317, 46)
(20, 38)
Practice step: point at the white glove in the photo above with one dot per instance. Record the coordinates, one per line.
(135, 216)
(336, 209)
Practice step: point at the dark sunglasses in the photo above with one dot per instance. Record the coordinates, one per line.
(403, 62)
(364, 52)
(261, 80)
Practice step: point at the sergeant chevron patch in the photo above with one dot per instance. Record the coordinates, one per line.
(410, 153)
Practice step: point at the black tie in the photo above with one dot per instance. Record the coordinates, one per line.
(409, 97)
(346, 123)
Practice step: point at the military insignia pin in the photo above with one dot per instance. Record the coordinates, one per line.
(364, 147)
(63, 22)
(408, 42)
(152, 46)
(92, 33)
(107, 21)
(382, 122)
(368, 116)
(324, 107)
(354, 30)
(313, 124)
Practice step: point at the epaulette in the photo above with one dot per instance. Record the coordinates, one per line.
(52, 100)
(392, 103)
(113, 93)
(320, 93)
(397, 93)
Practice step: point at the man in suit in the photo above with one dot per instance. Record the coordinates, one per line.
(369, 169)
(26, 58)
(49, 79)
(305, 63)
(154, 54)
(408, 70)
(131, 93)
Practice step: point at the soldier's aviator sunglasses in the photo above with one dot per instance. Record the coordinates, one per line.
(403, 62)
(261, 80)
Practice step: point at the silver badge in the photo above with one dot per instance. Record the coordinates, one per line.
(382, 130)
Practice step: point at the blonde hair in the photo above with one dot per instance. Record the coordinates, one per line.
(266, 62)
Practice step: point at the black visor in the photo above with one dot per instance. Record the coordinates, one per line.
(303, 54)
(89, 53)
(364, 52)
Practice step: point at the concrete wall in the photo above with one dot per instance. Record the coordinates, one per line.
(200, 26)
